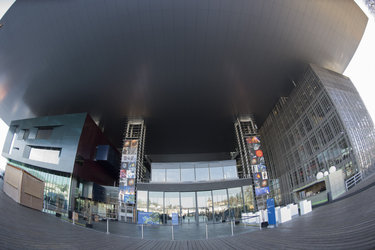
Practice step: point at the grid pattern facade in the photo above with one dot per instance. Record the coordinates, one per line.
(136, 129)
(314, 129)
(354, 115)
(244, 126)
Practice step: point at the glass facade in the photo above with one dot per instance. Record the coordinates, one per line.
(156, 204)
(193, 171)
(214, 206)
(220, 199)
(216, 173)
(173, 175)
(171, 205)
(188, 207)
(248, 196)
(142, 201)
(158, 175)
(236, 205)
(204, 199)
(202, 173)
(187, 174)
(322, 123)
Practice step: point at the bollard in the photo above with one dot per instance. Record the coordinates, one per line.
(172, 233)
(142, 231)
(231, 225)
(206, 232)
(107, 226)
(73, 217)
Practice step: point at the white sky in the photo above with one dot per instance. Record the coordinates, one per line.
(361, 69)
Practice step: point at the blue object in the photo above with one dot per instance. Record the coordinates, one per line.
(174, 219)
(271, 211)
(261, 191)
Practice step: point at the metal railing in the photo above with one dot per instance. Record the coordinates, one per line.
(181, 231)
(354, 180)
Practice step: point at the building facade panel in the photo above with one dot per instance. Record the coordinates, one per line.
(53, 133)
(322, 123)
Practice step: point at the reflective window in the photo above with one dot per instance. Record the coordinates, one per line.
(44, 133)
(187, 174)
(201, 172)
(235, 202)
(188, 208)
(56, 189)
(216, 173)
(220, 199)
(142, 201)
(158, 175)
(173, 175)
(156, 203)
(248, 198)
(230, 172)
(48, 155)
(172, 205)
(204, 206)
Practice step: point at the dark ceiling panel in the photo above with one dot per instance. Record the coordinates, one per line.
(186, 66)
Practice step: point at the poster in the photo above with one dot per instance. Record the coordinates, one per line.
(174, 219)
(258, 168)
(128, 172)
(148, 218)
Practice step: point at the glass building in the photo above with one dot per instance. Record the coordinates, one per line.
(213, 206)
(70, 154)
(198, 192)
(193, 171)
(322, 123)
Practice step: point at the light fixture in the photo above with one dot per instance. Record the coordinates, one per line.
(319, 175)
(332, 169)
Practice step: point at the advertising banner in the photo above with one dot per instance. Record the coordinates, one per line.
(128, 172)
(174, 219)
(258, 166)
(271, 211)
(148, 218)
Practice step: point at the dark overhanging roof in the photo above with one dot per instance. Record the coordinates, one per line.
(186, 66)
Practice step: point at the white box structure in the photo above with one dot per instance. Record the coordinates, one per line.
(277, 213)
(293, 209)
(305, 207)
(285, 214)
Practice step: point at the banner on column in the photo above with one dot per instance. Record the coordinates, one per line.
(258, 167)
(128, 172)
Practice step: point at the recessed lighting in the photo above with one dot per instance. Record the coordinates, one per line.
(1, 25)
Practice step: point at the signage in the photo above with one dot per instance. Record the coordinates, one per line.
(128, 172)
(174, 219)
(148, 218)
(258, 167)
(271, 211)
